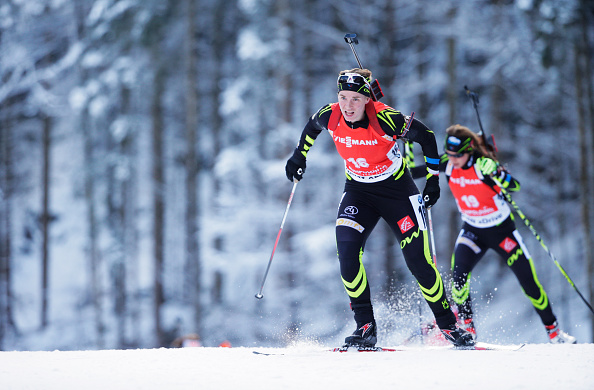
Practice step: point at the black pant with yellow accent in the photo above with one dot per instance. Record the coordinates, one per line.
(471, 245)
(361, 207)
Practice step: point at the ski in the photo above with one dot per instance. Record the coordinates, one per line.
(478, 346)
(346, 348)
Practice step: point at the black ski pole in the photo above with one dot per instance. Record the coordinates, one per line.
(259, 294)
(527, 222)
(375, 89)
(430, 228)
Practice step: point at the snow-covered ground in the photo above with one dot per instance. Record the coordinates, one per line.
(536, 366)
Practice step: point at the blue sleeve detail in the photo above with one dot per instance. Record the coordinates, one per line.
(432, 160)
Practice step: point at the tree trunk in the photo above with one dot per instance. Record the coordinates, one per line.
(131, 242)
(92, 233)
(586, 23)
(45, 219)
(94, 259)
(584, 167)
(158, 198)
(130, 225)
(120, 224)
(192, 265)
(6, 194)
(219, 44)
(5, 229)
(285, 72)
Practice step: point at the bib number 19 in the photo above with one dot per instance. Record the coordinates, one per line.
(471, 201)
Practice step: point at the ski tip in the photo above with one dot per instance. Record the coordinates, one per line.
(481, 346)
(268, 353)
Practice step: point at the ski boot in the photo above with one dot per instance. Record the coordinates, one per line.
(557, 336)
(458, 336)
(468, 325)
(364, 336)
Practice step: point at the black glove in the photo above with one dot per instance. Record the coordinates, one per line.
(295, 167)
(431, 191)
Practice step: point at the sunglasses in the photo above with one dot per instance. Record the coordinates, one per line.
(455, 155)
(353, 78)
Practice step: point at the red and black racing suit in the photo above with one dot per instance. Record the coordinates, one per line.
(379, 185)
(488, 223)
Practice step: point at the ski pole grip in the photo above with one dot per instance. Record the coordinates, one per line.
(426, 199)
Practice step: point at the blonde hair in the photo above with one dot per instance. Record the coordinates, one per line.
(477, 143)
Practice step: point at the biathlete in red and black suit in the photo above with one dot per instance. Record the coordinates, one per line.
(378, 185)
(470, 169)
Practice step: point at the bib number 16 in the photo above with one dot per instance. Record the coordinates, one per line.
(359, 163)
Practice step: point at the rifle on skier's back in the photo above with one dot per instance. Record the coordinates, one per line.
(488, 141)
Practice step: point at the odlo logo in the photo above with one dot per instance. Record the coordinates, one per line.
(508, 244)
(351, 210)
(405, 224)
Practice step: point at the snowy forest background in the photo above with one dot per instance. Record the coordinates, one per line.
(142, 152)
